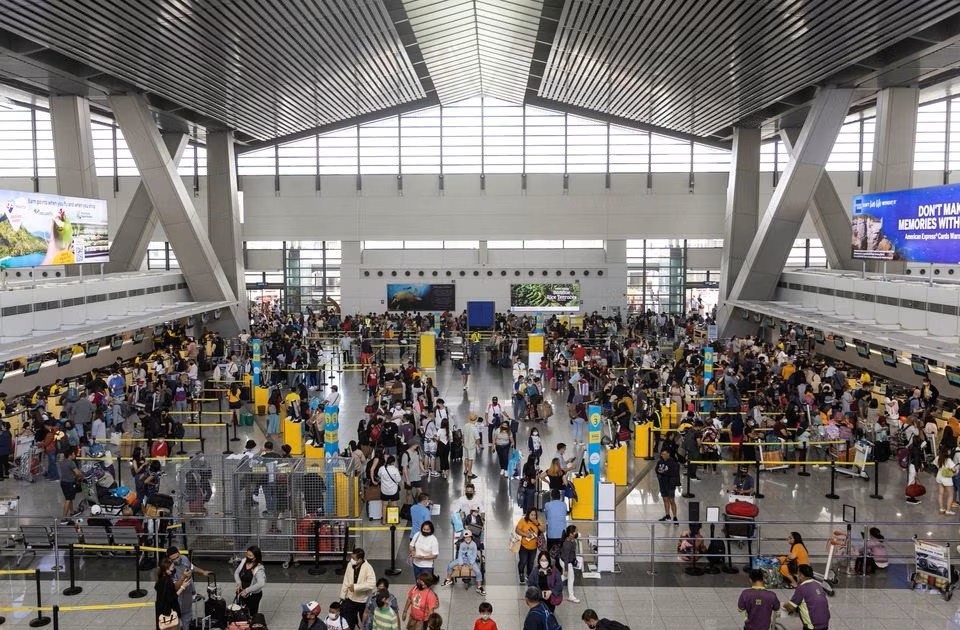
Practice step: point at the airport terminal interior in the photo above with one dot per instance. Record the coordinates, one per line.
(645, 305)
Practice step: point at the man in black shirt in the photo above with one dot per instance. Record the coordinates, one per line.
(388, 437)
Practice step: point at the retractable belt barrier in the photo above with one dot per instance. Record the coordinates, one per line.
(40, 620)
(393, 529)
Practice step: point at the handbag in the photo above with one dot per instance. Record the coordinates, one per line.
(371, 493)
(514, 546)
(169, 622)
(541, 542)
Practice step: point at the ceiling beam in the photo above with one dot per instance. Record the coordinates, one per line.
(389, 112)
(547, 103)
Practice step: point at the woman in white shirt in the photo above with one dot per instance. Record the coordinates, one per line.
(424, 549)
(946, 468)
(390, 478)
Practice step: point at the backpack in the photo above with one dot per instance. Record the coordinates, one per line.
(549, 619)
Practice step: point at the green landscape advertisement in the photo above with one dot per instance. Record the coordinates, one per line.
(38, 229)
(537, 296)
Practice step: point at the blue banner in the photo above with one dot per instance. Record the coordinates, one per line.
(539, 321)
(707, 365)
(331, 431)
(920, 225)
(255, 361)
(594, 435)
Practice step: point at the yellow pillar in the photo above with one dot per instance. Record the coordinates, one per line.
(534, 351)
(260, 397)
(428, 350)
(582, 508)
(313, 452)
(643, 441)
(617, 465)
(293, 436)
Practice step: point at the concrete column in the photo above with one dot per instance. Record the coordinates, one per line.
(73, 147)
(158, 172)
(895, 139)
(780, 224)
(743, 205)
(223, 211)
(829, 215)
(130, 244)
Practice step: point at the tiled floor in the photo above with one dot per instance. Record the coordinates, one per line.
(669, 598)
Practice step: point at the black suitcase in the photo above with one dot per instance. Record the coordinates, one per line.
(881, 451)
(216, 609)
(505, 362)
(456, 451)
(164, 501)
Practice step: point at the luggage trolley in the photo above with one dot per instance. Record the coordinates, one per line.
(862, 450)
(771, 454)
(465, 573)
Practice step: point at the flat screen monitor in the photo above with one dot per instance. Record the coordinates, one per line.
(33, 366)
(818, 336)
(839, 343)
(92, 349)
(157, 331)
(784, 328)
(64, 356)
(863, 349)
(919, 367)
(3, 372)
(768, 322)
(138, 337)
(116, 343)
(889, 358)
(953, 375)
(745, 314)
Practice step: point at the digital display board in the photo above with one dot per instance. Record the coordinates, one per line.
(919, 225)
(33, 366)
(38, 229)
(863, 349)
(919, 367)
(421, 297)
(138, 337)
(818, 336)
(839, 343)
(116, 343)
(889, 358)
(953, 375)
(92, 348)
(537, 296)
(64, 356)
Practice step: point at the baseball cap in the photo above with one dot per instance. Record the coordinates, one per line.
(311, 607)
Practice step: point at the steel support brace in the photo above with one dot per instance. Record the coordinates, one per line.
(780, 224)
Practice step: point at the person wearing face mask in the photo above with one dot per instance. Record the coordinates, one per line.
(310, 617)
(568, 556)
(424, 549)
(168, 590)
(385, 615)
(484, 622)
(535, 445)
(469, 501)
(334, 620)
(359, 582)
(373, 604)
(546, 577)
(467, 555)
(503, 442)
(250, 578)
(421, 603)
(528, 529)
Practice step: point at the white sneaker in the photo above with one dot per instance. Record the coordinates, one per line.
(573, 599)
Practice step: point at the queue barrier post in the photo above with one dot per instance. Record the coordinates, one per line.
(137, 592)
(73, 589)
(40, 621)
(833, 481)
(346, 551)
(688, 494)
(226, 435)
(876, 483)
(803, 469)
(316, 569)
(393, 570)
(56, 617)
(757, 492)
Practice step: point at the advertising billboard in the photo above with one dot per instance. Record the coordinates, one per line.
(38, 229)
(421, 297)
(920, 225)
(537, 296)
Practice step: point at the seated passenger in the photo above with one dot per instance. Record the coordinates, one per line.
(467, 555)
(743, 483)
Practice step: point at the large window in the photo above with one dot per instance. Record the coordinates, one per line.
(312, 270)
